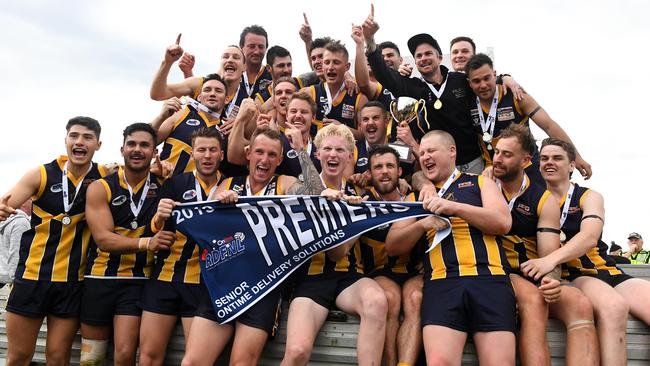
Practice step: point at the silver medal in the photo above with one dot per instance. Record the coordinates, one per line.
(66, 220)
(134, 224)
(487, 138)
(562, 237)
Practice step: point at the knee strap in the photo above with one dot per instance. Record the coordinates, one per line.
(93, 352)
(579, 324)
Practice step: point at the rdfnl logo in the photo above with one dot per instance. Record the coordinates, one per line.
(223, 250)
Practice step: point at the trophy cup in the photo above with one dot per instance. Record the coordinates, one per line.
(404, 109)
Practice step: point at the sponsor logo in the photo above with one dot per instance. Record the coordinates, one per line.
(574, 209)
(523, 209)
(119, 200)
(505, 114)
(237, 188)
(466, 184)
(189, 194)
(347, 111)
(458, 93)
(362, 161)
(223, 250)
(264, 83)
(292, 154)
(192, 122)
(56, 188)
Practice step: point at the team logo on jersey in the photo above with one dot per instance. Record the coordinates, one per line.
(192, 122)
(119, 200)
(362, 161)
(292, 154)
(574, 209)
(264, 83)
(237, 188)
(56, 188)
(475, 119)
(347, 111)
(223, 250)
(458, 93)
(189, 194)
(505, 113)
(523, 209)
(466, 184)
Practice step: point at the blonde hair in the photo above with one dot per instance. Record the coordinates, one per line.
(335, 130)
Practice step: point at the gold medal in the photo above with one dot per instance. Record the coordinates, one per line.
(437, 104)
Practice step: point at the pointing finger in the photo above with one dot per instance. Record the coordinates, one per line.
(178, 39)
(372, 10)
(304, 15)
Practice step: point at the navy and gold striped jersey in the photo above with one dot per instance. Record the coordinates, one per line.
(373, 248)
(383, 96)
(177, 148)
(596, 260)
(508, 112)
(181, 262)
(122, 265)
(231, 109)
(344, 107)
(262, 81)
(266, 93)
(238, 184)
(520, 243)
(290, 164)
(466, 251)
(50, 250)
(321, 264)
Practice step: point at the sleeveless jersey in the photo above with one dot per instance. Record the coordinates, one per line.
(373, 248)
(321, 264)
(266, 93)
(238, 184)
(262, 81)
(344, 107)
(596, 260)
(125, 265)
(362, 163)
(181, 262)
(50, 250)
(466, 251)
(290, 164)
(520, 244)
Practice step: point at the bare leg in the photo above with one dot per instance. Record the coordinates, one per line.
(248, 345)
(575, 311)
(155, 330)
(125, 339)
(305, 319)
(366, 298)
(533, 312)
(443, 346)
(495, 348)
(636, 292)
(393, 297)
(22, 332)
(60, 335)
(409, 336)
(205, 342)
(611, 311)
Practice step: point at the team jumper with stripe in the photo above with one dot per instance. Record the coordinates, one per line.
(50, 250)
(520, 243)
(181, 262)
(466, 251)
(596, 260)
(344, 107)
(125, 265)
(373, 247)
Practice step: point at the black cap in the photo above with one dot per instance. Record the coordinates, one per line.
(418, 39)
(635, 236)
(614, 247)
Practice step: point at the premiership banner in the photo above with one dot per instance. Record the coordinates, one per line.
(249, 248)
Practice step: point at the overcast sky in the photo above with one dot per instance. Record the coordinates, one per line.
(584, 61)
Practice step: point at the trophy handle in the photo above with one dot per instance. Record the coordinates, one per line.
(392, 106)
(421, 104)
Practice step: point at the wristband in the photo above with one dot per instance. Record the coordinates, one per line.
(143, 243)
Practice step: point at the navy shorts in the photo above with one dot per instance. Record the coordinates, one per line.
(171, 298)
(470, 304)
(102, 299)
(41, 298)
(264, 315)
(398, 278)
(323, 289)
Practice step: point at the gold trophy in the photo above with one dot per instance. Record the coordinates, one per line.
(404, 109)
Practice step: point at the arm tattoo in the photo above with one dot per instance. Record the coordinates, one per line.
(310, 182)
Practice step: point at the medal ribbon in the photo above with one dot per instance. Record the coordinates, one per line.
(135, 209)
(492, 115)
(231, 105)
(67, 205)
(567, 203)
(325, 184)
(437, 93)
(262, 192)
(445, 187)
(511, 203)
(200, 107)
(330, 100)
